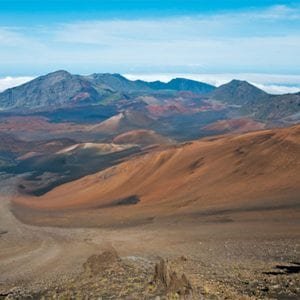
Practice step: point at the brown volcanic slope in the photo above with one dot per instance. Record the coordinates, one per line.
(248, 173)
(141, 137)
(239, 125)
(124, 121)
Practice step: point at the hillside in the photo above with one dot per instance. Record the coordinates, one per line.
(124, 121)
(141, 137)
(44, 172)
(119, 83)
(234, 126)
(54, 90)
(251, 172)
(239, 93)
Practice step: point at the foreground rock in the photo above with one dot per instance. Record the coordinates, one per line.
(97, 264)
(172, 282)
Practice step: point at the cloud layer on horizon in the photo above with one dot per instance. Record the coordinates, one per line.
(9, 82)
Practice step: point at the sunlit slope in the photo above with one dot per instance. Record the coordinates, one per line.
(254, 170)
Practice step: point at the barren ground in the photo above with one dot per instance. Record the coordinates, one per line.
(222, 256)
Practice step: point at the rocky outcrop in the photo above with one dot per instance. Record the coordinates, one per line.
(96, 264)
(171, 280)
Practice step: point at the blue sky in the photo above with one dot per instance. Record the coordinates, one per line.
(150, 37)
(128, 8)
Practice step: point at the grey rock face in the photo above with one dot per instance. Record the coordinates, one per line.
(53, 90)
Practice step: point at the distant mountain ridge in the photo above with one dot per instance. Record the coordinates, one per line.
(256, 102)
(60, 89)
(183, 84)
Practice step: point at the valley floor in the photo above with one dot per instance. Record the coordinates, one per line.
(234, 255)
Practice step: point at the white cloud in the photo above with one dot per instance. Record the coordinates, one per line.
(10, 37)
(277, 89)
(266, 40)
(8, 82)
(281, 12)
(254, 23)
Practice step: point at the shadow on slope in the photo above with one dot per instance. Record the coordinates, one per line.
(49, 171)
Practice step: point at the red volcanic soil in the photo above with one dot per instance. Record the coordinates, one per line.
(141, 137)
(253, 172)
(167, 109)
(37, 127)
(30, 124)
(235, 126)
(184, 106)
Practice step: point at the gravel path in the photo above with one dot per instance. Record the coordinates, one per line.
(30, 254)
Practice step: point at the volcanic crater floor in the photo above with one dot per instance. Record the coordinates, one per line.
(222, 257)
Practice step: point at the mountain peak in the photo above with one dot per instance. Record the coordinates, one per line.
(62, 73)
(238, 92)
(56, 89)
(241, 83)
(237, 82)
(54, 77)
(115, 75)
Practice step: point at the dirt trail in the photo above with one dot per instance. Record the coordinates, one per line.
(37, 257)
(29, 253)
